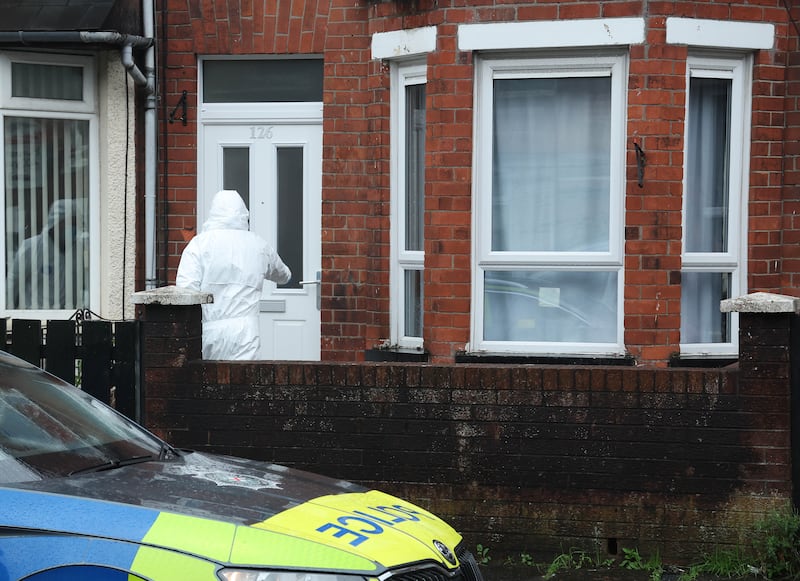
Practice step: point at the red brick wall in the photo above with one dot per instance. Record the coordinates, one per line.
(790, 239)
(355, 224)
(675, 462)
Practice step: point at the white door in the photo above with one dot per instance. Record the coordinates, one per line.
(277, 168)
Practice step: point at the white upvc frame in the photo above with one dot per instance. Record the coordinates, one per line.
(84, 110)
(612, 63)
(403, 74)
(738, 68)
(86, 63)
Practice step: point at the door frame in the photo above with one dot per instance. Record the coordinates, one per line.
(227, 114)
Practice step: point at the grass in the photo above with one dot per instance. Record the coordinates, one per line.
(773, 553)
(723, 564)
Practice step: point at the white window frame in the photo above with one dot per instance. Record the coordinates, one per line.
(738, 68)
(612, 63)
(83, 110)
(403, 75)
(87, 105)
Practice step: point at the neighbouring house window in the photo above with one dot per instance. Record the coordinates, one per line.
(548, 204)
(48, 120)
(715, 174)
(408, 203)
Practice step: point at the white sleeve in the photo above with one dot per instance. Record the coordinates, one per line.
(190, 272)
(276, 270)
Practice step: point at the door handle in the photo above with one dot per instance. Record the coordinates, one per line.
(317, 282)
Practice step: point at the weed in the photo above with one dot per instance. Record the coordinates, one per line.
(482, 555)
(574, 559)
(561, 562)
(774, 554)
(722, 563)
(776, 542)
(632, 560)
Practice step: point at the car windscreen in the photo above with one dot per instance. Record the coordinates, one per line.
(49, 428)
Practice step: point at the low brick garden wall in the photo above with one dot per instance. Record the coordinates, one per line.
(531, 458)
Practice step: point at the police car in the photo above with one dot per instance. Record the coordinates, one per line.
(86, 494)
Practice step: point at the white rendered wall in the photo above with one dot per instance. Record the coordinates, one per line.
(117, 181)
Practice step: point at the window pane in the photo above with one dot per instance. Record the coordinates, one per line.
(46, 81)
(415, 166)
(701, 319)
(413, 303)
(46, 205)
(236, 171)
(290, 212)
(551, 164)
(707, 165)
(262, 81)
(553, 306)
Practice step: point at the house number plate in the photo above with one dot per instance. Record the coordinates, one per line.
(260, 132)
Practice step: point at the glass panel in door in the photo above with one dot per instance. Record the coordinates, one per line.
(290, 211)
(236, 171)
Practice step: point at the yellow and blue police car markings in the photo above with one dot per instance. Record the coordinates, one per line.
(211, 539)
(47, 511)
(358, 522)
(84, 518)
(373, 520)
(161, 564)
(83, 573)
(255, 547)
(378, 514)
(342, 521)
(64, 558)
(30, 553)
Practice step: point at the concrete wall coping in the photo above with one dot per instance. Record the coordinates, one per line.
(172, 295)
(761, 303)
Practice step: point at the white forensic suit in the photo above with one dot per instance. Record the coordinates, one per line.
(51, 269)
(230, 262)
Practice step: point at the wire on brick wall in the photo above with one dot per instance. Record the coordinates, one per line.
(792, 19)
(125, 190)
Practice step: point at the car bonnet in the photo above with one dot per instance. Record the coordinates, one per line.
(238, 512)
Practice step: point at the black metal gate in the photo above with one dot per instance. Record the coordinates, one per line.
(101, 357)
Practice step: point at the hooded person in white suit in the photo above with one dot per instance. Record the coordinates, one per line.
(50, 269)
(229, 261)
